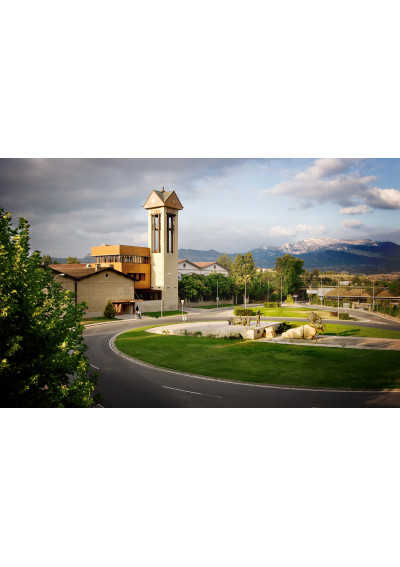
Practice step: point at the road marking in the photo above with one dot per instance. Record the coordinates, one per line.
(96, 367)
(190, 392)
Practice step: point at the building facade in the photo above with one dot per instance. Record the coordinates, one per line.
(205, 268)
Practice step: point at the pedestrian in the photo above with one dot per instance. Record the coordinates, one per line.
(258, 318)
(137, 312)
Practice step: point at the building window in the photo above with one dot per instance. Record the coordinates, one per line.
(170, 232)
(155, 232)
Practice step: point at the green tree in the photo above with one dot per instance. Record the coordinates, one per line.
(290, 270)
(46, 259)
(42, 360)
(394, 288)
(109, 311)
(225, 261)
(72, 260)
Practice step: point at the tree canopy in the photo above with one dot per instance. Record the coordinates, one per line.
(42, 360)
(290, 269)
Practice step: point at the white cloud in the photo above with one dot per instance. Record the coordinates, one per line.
(383, 198)
(337, 181)
(359, 210)
(352, 224)
(298, 229)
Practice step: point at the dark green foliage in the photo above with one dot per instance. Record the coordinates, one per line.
(272, 305)
(194, 287)
(42, 360)
(240, 312)
(109, 311)
(291, 270)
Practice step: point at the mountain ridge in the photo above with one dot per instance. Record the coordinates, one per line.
(354, 256)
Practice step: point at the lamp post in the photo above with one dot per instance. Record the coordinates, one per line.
(373, 295)
(281, 288)
(338, 300)
(217, 292)
(245, 289)
(182, 301)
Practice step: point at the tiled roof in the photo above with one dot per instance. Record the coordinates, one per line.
(80, 273)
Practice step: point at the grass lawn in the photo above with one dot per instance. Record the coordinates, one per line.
(96, 320)
(215, 306)
(165, 313)
(350, 331)
(266, 363)
(291, 312)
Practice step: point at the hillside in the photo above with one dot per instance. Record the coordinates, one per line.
(354, 256)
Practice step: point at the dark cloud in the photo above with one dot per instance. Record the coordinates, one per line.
(73, 203)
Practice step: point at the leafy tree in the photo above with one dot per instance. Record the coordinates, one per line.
(72, 260)
(46, 259)
(42, 360)
(225, 261)
(289, 299)
(109, 311)
(394, 288)
(290, 270)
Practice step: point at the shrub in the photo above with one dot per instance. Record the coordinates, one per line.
(344, 316)
(284, 326)
(241, 312)
(271, 305)
(109, 311)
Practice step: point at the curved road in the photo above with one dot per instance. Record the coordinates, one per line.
(126, 383)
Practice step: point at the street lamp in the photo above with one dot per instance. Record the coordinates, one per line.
(217, 298)
(245, 289)
(373, 295)
(281, 288)
(182, 301)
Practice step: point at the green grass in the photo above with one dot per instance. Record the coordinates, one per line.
(164, 313)
(290, 312)
(266, 363)
(215, 306)
(93, 320)
(350, 331)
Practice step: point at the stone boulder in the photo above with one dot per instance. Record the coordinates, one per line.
(304, 332)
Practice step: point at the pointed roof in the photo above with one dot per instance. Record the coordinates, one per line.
(163, 199)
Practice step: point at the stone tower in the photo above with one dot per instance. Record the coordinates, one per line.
(163, 207)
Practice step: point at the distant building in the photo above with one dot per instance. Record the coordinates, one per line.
(205, 268)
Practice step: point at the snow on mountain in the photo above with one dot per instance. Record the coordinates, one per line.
(313, 244)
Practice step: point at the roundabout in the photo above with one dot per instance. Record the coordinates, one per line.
(126, 382)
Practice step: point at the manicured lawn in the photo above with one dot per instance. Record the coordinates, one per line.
(291, 312)
(96, 320)
(215, 306)
(266, 363)
(350, 331)
(164, 313)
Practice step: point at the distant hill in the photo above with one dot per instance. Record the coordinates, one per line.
(354, 256)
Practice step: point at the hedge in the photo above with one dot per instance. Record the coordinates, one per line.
(241, 312)
(272, 305)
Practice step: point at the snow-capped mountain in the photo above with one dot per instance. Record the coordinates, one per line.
(313, 244)
(354, 256)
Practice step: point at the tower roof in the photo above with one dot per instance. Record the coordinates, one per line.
(163, 199)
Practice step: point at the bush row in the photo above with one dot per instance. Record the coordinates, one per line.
(241, 312)
(272, 305)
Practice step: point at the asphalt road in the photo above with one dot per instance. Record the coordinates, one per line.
(125, 383)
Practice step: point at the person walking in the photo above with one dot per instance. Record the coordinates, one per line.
(137, 312)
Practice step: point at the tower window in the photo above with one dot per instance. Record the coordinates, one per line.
(170, 232)
(155, 233)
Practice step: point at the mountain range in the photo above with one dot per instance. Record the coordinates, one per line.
(354, 256)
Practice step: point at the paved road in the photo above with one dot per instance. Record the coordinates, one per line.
(125, 383)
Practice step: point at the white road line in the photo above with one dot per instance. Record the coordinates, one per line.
(96, 367)
(189, 392)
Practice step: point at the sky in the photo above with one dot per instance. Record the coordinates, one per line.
(230, 205)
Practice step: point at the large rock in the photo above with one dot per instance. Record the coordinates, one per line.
(304, 332)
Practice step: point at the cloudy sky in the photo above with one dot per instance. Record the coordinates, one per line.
(231, 205)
